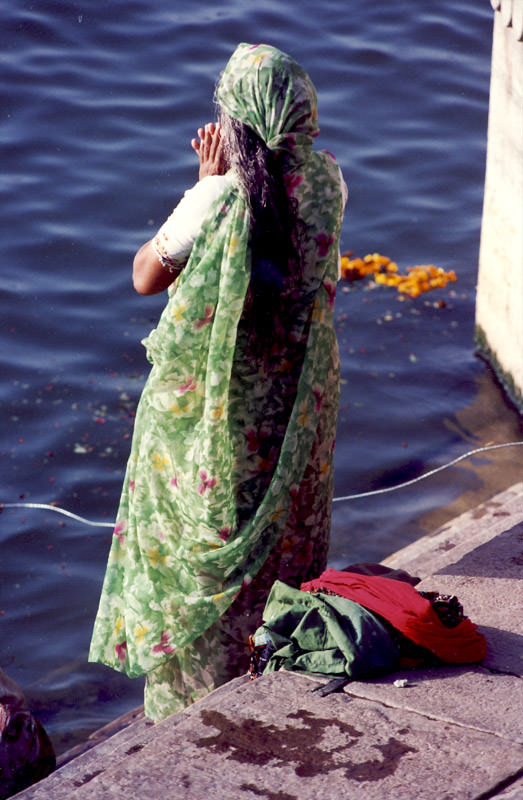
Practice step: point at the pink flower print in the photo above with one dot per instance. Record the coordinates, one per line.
(318, 394)
(331, 291)
(224, 533)
(208, 313)
(131, 486)
(324, 242)
(246, 582)
(292, 182)
(287, 546)
(254, 437)
(294, 493)
(267, 464)
(207, 483)
(329, 154)
(119, 532)
(174, 481)
(253, 442)
(164, 646)
(188, 386)
(121, 651)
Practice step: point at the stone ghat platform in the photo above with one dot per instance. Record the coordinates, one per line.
(450, 733)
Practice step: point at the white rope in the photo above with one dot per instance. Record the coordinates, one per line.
(427, 474)
(58, 510)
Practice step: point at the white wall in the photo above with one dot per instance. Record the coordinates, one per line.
(499, 304)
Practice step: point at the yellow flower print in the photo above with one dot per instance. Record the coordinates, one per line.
(117, 554)
(178, 312)
(176, 409)
(318, 312)
(304, 417)
(218, 597)
(155, 558)
(118, 626)
(259, 58)
(233, 244)
(217, 412)
(140, 632)
(160, 462)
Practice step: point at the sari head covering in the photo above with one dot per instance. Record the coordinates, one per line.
(267, 90)
(181, 549)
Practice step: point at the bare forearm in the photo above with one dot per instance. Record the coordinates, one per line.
(149, 274)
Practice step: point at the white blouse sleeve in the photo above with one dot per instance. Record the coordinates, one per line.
(173, 242)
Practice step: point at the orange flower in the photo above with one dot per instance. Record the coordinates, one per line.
(418, 279)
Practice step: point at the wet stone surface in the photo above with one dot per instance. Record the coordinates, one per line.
(450, 732)
(275, 738)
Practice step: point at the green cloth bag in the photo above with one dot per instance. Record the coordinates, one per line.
(325, 634)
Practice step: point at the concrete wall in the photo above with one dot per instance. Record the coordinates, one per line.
(499, 304)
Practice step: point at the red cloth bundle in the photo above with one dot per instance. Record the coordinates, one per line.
(410, 613)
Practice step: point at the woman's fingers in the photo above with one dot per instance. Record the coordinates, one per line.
(206, 136)
(208, 140)
(209, 148)
(216, 141)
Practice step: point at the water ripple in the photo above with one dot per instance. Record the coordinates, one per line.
(99, 103)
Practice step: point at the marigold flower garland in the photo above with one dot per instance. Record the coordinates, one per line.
(418, 279)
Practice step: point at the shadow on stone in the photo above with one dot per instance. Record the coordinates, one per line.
(501, 557)
(503, 650)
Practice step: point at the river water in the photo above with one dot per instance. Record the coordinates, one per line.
(99, 102)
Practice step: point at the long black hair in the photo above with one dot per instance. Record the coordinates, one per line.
(275, 229)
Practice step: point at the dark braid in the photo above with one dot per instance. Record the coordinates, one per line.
(275, 240)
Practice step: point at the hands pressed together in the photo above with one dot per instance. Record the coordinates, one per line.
(210, 151)
(149, 276)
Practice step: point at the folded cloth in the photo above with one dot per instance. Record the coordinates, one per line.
(407, 611)
(372, 568)
(324, 634)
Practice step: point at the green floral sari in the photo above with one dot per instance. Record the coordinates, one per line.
(224, 445)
